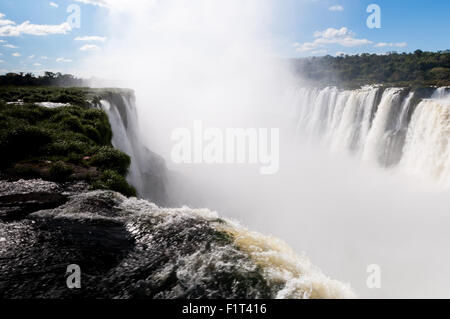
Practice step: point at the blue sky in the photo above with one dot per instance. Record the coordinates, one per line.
(407, 25)
(57, 49)
(300, 27)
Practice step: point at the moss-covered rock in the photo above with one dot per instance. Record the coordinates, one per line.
(108, 158)
(68, 137)
(112, 180)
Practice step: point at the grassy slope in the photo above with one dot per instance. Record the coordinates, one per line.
(62, 144)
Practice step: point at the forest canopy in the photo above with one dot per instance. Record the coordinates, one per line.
(47, 79)
(402, 69)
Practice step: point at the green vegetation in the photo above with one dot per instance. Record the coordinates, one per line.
(107, 158)
(48, 79)
(414, 69)
(72, 96)
(60, 171)
(62, 144)
(113, 180)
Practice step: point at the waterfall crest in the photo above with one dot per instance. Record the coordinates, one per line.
(392, 127)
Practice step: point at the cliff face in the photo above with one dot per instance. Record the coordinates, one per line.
(148, 172)
(79, 134)
(130, 248)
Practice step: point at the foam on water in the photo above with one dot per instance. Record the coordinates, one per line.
(288, 274)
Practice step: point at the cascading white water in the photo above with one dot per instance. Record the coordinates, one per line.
(441, 93)
(147, 172)
(427, 148)
(375, 148)
(121, 140)
(384, 127)
(353, 125)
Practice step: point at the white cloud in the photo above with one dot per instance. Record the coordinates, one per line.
(90, 47)
(307, 46)
(390, 44)
(93, 38)
(342, 36)
(10, 46)
(34, 29)
(336, 8)
(2, 41)
(98, 3)
(1, 61)
(44, 57)
(319, 52)
(332, 33)
(37, 64)
(54, 4)
(5, 21)
(9, 28)
(31, 56)
(17, 54)
(63, 60)
(339, 53)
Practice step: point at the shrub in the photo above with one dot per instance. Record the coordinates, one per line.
(72, 123)
(5, 96)
(113, 181)
(108, 158)
(99, 120)
(23, 141)
(30, 113)
(75, 158)
(64, 147)
(59, 171)
(60, 115)
(93, 114)
(93, 134)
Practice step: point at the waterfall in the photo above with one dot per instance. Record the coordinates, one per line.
(121, 140)
(441, 92)
(147, 172)
(427, 149)
(377, 147)
(391, 127)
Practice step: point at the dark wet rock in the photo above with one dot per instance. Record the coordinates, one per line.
(27, 186)
(124, 251)
(42, 169)
(131, 248)
(17, 206)
(22, 197)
